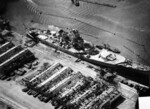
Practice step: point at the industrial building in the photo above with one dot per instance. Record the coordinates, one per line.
(13, 57)
(69, 89)
(9, 53)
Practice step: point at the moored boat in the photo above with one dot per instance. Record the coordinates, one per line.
(70, 42)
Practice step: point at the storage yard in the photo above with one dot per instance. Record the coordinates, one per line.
(34, 75)
(53, 83)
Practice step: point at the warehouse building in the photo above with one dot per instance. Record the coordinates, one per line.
(15, 61)
(5, 47)
(9, 53)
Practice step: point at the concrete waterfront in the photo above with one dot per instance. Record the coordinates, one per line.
(125, 27)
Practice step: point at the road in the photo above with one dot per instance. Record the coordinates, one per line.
(11, 92)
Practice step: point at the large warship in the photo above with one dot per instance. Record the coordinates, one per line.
(70, 42)
(46, 72)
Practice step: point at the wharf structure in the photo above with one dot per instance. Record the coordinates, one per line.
(56, 38)
(44, 16)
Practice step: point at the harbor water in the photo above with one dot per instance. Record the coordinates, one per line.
(125, 27)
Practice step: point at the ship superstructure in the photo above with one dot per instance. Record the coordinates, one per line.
(70, 41)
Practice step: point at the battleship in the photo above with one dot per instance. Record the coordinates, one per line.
(43, 66)
(53, 82)
(70, 42)
(55, 78)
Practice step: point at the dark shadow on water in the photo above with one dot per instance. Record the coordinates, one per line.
(133, 1)
(4, 5)
(13, 0)
(117, 102)
(134, 76)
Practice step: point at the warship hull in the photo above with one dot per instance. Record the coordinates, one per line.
(133, 74)
(98, 63)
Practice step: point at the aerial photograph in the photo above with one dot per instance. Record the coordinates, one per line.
(74, 54)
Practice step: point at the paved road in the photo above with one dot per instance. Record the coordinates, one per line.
(14, 96)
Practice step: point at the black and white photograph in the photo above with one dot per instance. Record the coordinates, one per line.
(74, 54)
